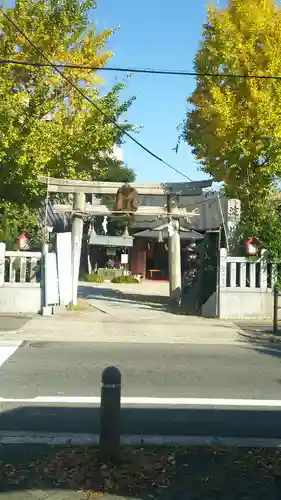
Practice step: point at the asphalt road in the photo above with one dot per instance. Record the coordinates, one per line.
(148, 370)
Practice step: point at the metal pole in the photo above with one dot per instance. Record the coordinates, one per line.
(110, 414)
(275, 309)
(76, 237)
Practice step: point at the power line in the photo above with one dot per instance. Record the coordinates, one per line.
(78, 89)
(140, 70)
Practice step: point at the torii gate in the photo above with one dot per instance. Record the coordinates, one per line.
(172, 211)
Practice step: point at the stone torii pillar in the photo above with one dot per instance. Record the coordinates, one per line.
(76, 242)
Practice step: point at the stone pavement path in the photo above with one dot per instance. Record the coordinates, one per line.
(98, 327)
(34, 472)
(128, 300)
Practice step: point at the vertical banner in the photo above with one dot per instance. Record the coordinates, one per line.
(64, 267)
(51, 280)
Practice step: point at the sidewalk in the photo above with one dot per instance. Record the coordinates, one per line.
(57, 473)
(98, 327)
(111, 315)
(148, 327)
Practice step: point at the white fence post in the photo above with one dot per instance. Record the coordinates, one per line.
(274, 275)
(252, 274)
(233, 266)
(2, 263)
(263, 276)
(243, 271)
(223, 264)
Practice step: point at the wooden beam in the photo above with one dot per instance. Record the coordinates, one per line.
(74, 186)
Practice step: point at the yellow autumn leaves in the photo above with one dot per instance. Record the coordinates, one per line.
(234, 123)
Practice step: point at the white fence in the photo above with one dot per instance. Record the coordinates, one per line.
(20, 276)
(241, 272)
(246, 287)
(23, 286)
(22, 267)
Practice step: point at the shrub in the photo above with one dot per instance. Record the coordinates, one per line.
(94, 278)
(125, 279)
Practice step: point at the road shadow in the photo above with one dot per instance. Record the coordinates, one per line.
(143, 421)
(144, 301)
(260, 337)
(153, 301)
(10, 322)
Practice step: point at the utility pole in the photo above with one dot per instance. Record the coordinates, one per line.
(174, 251)
(76, 241)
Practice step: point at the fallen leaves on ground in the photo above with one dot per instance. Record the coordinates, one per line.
(147, 470)
(81, 469)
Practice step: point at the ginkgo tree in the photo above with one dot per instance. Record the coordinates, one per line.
(233, 124)
(46, 126)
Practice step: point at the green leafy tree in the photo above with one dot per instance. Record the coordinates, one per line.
(234, 124)
(264, 224)
(47, 127)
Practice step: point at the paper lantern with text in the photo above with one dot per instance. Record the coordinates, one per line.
(23, 242)
(251, 246)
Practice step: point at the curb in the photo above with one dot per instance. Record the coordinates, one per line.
(46, 336)
(25, 438)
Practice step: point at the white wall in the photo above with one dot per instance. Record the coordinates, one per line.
(16, 298)
(246, 303)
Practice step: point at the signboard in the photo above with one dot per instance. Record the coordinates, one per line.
(124, 258)
(110, 241)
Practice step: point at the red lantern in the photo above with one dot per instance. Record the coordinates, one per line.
(23, 242)
(251, 246)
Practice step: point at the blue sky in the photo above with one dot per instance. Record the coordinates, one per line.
(155, 34)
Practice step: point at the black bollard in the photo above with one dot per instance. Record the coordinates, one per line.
(110, 414)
